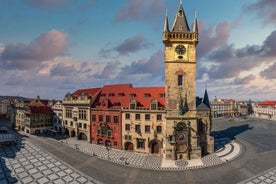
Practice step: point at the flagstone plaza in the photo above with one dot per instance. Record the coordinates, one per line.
(245, 153)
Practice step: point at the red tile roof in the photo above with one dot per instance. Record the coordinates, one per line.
(144, 95)
(90, 91)
(119, 95)
(267, 103)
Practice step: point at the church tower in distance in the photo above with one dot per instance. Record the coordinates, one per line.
(188, 118)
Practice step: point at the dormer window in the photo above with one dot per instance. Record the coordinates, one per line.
(121, 94)
(132, 95)
(180, 13)
(162, 95)
(180, 28)
(111, 94)
(154, 105)
(132, 104)
(146, 95)
(103, 95)
(117, 104)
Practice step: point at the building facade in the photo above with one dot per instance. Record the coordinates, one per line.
(143, 120)
(76, 113)
(265, 109)
(56, 106)
(38, 117)
(183, 134)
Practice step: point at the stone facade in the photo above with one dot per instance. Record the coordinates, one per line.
(76, 113)
(185, 136)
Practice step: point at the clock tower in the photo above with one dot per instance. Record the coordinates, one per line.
(182, 138)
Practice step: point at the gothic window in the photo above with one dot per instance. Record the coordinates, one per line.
(180, 80)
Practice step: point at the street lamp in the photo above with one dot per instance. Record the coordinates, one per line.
(108, 148)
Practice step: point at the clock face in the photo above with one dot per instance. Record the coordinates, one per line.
(180, 49)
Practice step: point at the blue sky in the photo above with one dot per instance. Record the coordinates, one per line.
(51, 47)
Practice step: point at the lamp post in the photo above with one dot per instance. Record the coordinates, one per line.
(108, 148)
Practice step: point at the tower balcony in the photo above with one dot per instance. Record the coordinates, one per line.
(178, 36)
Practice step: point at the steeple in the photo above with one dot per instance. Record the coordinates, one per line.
(166, 25)
(195, 26)
(180, 22)
(206, 98)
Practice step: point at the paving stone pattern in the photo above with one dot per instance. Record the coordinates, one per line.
(146, 161)
(30, 164)
(267, 177)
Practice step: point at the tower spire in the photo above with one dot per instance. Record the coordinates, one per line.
(195, 26)
(180, 22)
(166, 25)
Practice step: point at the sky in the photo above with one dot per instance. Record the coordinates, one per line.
(49, 47)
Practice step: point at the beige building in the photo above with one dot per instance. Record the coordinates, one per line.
(143, 121)
(188, 123)
(76, 113)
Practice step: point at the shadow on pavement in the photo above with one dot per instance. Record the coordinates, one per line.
(224, 137)
(8, 152)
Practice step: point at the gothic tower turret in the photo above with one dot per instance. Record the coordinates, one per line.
(180, 43)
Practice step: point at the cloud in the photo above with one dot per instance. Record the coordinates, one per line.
(109, 71)
(140, 10)
(212, 37)
(265, 10)
(244, 80)
(132, 45)
(63, 70)
(229, 62)
(21, 56)
(270, 72)
(154, 66)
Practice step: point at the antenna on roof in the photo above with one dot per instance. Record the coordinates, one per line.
(180, 1)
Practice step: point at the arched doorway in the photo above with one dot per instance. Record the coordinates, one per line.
(155, 148)
(100, 141)
(107, 143)
(73, 133)
(82, 136)
(129, 146)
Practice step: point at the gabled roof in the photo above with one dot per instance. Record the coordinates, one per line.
(144, 95)
(180, 22)
(89, 92)
(119, 95)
